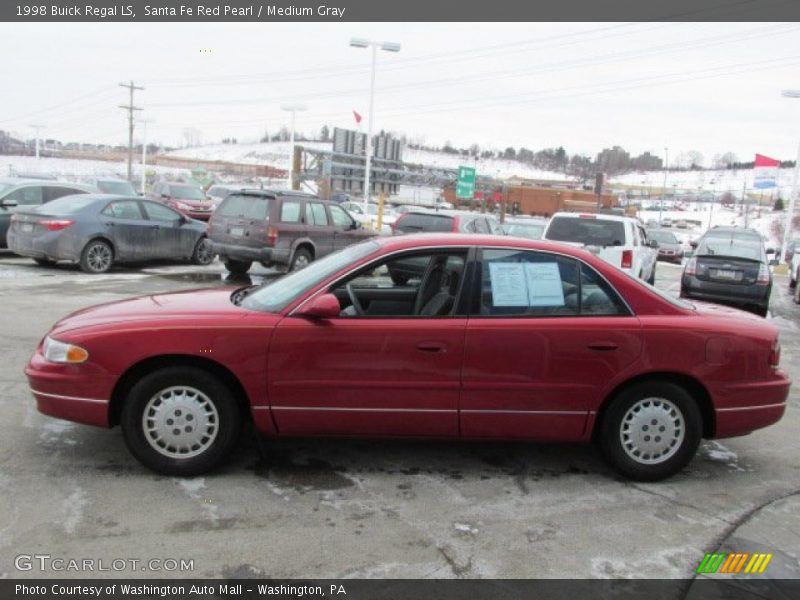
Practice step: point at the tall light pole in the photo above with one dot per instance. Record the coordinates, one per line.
(664, 192)
(144, 123)
(294, 109)
(388, 47)
(713, 199)
(787, 228)
(37, 128)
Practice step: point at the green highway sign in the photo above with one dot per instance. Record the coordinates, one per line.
(465, 185)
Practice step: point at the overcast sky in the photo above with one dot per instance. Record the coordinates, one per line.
(646, 86)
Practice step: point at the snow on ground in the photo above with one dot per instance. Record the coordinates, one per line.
(71, 169)
(710, 181)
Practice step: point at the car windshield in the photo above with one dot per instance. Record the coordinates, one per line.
(663, 237)
(116, 187)
(587, 230)
(66, 205)
(531, 231)
(187, 192)
(734, 246)
(277, 295)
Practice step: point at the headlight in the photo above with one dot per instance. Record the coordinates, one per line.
(59, 352)
(182, 206)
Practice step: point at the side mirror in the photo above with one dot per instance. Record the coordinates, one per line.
(325, 306)
(654, 243)
(693, 244)
(9, 203)
(355, 225)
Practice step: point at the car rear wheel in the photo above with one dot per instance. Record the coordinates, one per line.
(180, 421)
(97, 257)
(44, 262)
(240, 267)
(202, 255)
(301, 259)
(651, 430)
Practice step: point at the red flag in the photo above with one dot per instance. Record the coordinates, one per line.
(765, 161)
(357, 116)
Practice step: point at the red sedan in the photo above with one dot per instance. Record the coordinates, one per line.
(486, 338)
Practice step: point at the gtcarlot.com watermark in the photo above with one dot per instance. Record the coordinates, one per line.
(59, 564)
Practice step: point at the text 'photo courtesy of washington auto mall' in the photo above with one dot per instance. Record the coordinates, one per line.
(331, 302)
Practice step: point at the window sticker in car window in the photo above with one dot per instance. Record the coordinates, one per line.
(509, 286)
(544, 284)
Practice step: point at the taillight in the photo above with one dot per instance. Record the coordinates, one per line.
(627, 259)
(455, 224)
(55, 224)
(272, 236)
(691, 267)
(763, 274)
(775, 354)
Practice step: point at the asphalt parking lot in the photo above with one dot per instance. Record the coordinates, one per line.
(377, 509)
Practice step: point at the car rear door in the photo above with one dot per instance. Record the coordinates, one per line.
(544, 337)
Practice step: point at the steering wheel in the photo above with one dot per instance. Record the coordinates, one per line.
(354, 300)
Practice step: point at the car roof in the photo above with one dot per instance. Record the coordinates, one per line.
(446, 240)
(585, 215)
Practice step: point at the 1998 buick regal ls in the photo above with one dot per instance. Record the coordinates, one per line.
(486, 338)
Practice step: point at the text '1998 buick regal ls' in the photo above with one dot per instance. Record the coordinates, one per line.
(485, 337)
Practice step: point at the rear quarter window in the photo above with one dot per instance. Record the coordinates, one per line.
(246, 207)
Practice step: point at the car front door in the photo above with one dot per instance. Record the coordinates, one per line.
(168, 236)
(545, 336)
(346, 230)
(128, 229)
(390, 364)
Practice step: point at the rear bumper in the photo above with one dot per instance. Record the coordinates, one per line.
(262, 255)
(727, 293)
(53, 245)
(750, 406)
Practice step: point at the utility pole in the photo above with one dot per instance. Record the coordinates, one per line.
(664, 193)
(130, 108)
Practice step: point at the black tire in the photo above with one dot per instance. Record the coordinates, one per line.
(97, 257)
(792, 283)
(226, 424)
(202, 254)
(302, 258)
(240, 267)
(44, 262)
(672, 408)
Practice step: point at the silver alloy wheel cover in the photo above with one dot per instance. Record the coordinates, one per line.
(98, 257)
(204, 254)
(652, 431)
(180, 422)
(301, 262)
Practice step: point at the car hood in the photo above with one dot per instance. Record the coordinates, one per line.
(189, 305)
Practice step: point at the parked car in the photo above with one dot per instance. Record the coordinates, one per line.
(439, 221)
(620, 241)
(670, 248)
(186, 198)
(112, 185)
(100, 230)
(23, 194)
(729, 266)
(279, 228)
(651, 224)
(791, 247)
(681, 224)
(530, 228)
(666, 222)
(356, 209)
(499, 338)
(217, 192)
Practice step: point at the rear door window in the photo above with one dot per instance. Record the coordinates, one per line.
(245, 207)
(316, 214)
(123, 209)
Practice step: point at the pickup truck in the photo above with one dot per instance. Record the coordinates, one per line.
(620, 241)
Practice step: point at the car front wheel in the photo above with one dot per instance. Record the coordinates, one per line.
(651, 430)
(180, 421)
(202, 255)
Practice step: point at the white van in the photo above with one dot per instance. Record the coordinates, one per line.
(620, 241)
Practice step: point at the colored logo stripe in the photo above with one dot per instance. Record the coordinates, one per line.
(719, 562)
